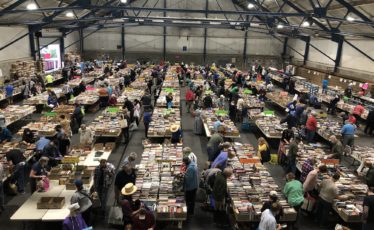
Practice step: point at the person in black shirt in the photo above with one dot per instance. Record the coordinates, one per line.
(64, 144)
(28, 136)
(370, 123)
(124, 176)
(332, 106)
(16, 162)
(368, 215)
(208, 102)
(51, 152)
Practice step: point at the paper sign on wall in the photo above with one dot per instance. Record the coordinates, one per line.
(308, 71)
(341, 79)
(345, 81)
(354, 83)
(360, 85)
(329, 76)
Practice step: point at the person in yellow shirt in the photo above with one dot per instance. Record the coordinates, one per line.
(49, 78)
(263, 150)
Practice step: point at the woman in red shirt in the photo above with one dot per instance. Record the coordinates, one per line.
(311, 126)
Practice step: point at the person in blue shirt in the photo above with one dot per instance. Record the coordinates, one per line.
(9, 92)
(191, 182)
(52, 99)
(313, 100)
(348, 133)
(41, 143)
(325, 84)
(218, 123)
(221, 159)
(5, 135)
(147, 118)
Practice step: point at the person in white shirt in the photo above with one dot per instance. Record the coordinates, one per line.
(187, 152)
(268, 221)
(85, 135)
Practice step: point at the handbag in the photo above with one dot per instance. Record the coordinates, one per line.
(123, 123)
(115, 215)
(201, 195)
(95, 199)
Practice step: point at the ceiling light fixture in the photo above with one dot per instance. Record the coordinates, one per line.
(251, 6)
(280, 26)
(32, 6)
(69, 14)
(124, 1)
(350, 18)
(305, 24)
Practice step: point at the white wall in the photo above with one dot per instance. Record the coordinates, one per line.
(327, 46)
(150, 39)
(353, 59)
(18, 50)
(70, 39)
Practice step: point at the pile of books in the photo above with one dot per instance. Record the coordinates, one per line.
(108, 124)
(88, 97)
(155, 175)
(131, 94)
(162, 119)
(42, 98)
(14, 113)
(161, 101)
(250, 186)
(211, 116)
(270, 126)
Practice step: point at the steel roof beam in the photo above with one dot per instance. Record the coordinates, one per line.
(350, 8)
(13, 6)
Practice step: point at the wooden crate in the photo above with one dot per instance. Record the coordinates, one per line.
(51, 203)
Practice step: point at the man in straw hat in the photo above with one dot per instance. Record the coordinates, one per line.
(176, 133)
(127, 203)
(123, 177)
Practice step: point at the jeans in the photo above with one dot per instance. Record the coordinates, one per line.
(292, 166)
(103, 192)
(146, 126)
(310, 135)
(19, 176)
(323, 209)
(211, 154)
(190, 200)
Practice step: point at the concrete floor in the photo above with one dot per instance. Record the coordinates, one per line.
(202, 220)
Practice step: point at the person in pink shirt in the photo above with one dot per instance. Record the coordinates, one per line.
(311, 180)
(358, 111)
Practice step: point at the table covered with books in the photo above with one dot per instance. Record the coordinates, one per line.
(250, 185)
(162, 119)
(210, 116)
(351, 188)
(158, 166)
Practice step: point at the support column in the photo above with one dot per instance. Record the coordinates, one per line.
(285, 44)
(205, 31)
(62, 47)
(38, 46)
(81, 41)
(123, 41)
(164, 35)
(306, 53)
(339, 54)
(245, 45)
(32, 43)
